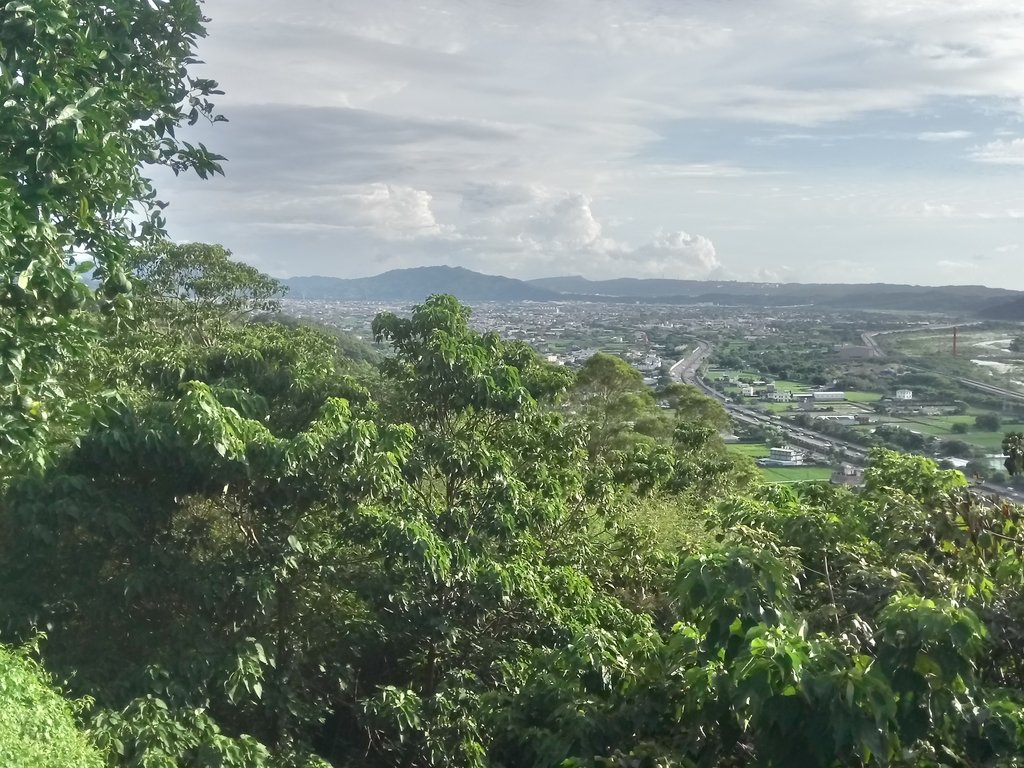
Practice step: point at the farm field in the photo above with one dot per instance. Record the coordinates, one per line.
(754, 450)
(942, 426)
(795, 474)
(780, 474)
(863, 397)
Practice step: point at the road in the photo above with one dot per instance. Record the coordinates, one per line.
(687, 370)
(870, 340)
(992, 389)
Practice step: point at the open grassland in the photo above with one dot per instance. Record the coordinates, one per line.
(775, 407)
(942, 427)
(940, 342)
(783, 385)
(755, 450)
(780, 474)
(863, 397)
(795, 474)
(714, 374)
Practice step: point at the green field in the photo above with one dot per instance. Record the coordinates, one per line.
(795, 474)
(714, 374)
(863, 397)
(990, 441)
(780, 474)
(775, 407)
(754, 450)
(942, 427)
(782, 385)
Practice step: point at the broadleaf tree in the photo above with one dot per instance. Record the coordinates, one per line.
(90, 93)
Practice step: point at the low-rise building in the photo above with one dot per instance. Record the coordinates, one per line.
(783, 457)
(829, 397)
(904, 394)
(747, 391)
(779, 397)
(848, 474)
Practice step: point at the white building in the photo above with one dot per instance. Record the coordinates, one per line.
(829, 397)
(747, 391)
(780, 397)
(904, 394)
(783, 457)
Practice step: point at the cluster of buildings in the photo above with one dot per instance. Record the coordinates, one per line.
(769, 391)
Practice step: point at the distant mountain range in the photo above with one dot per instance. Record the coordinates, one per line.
(418, 283)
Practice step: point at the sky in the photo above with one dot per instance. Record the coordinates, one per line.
(768, 140)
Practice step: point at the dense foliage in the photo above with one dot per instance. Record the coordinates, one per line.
(247, 549)
(37, 724)
(89, 92)
(251, 559)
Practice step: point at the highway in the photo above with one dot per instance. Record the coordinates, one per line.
(687, 370)
(871, 341)
(991, 389)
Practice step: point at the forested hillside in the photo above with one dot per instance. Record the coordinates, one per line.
(231, 540)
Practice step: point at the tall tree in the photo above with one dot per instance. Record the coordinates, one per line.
(200, 285)
(610, 396)
(90, 92)
(1013, 449)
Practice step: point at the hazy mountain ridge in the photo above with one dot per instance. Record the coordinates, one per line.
(1005, 310)
(417, 283)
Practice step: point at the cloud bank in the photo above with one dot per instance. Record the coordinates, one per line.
(611, 138)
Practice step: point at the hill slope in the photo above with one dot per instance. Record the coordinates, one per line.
(951, 298)
(1005, 310)
(417, 284)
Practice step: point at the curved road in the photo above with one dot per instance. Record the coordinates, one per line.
(687, 370)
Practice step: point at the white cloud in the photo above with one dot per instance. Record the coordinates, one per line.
(521, 136)
(940, 210)
(698, 171)
(944, 135)
(780, 274)
(392, 211)
(543, 231)
(1000, 152)
(676, 254)
(387, 211)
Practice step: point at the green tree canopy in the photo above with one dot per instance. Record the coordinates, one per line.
(200, 284)
(610, 396)
(90, 92)
(989, 422)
